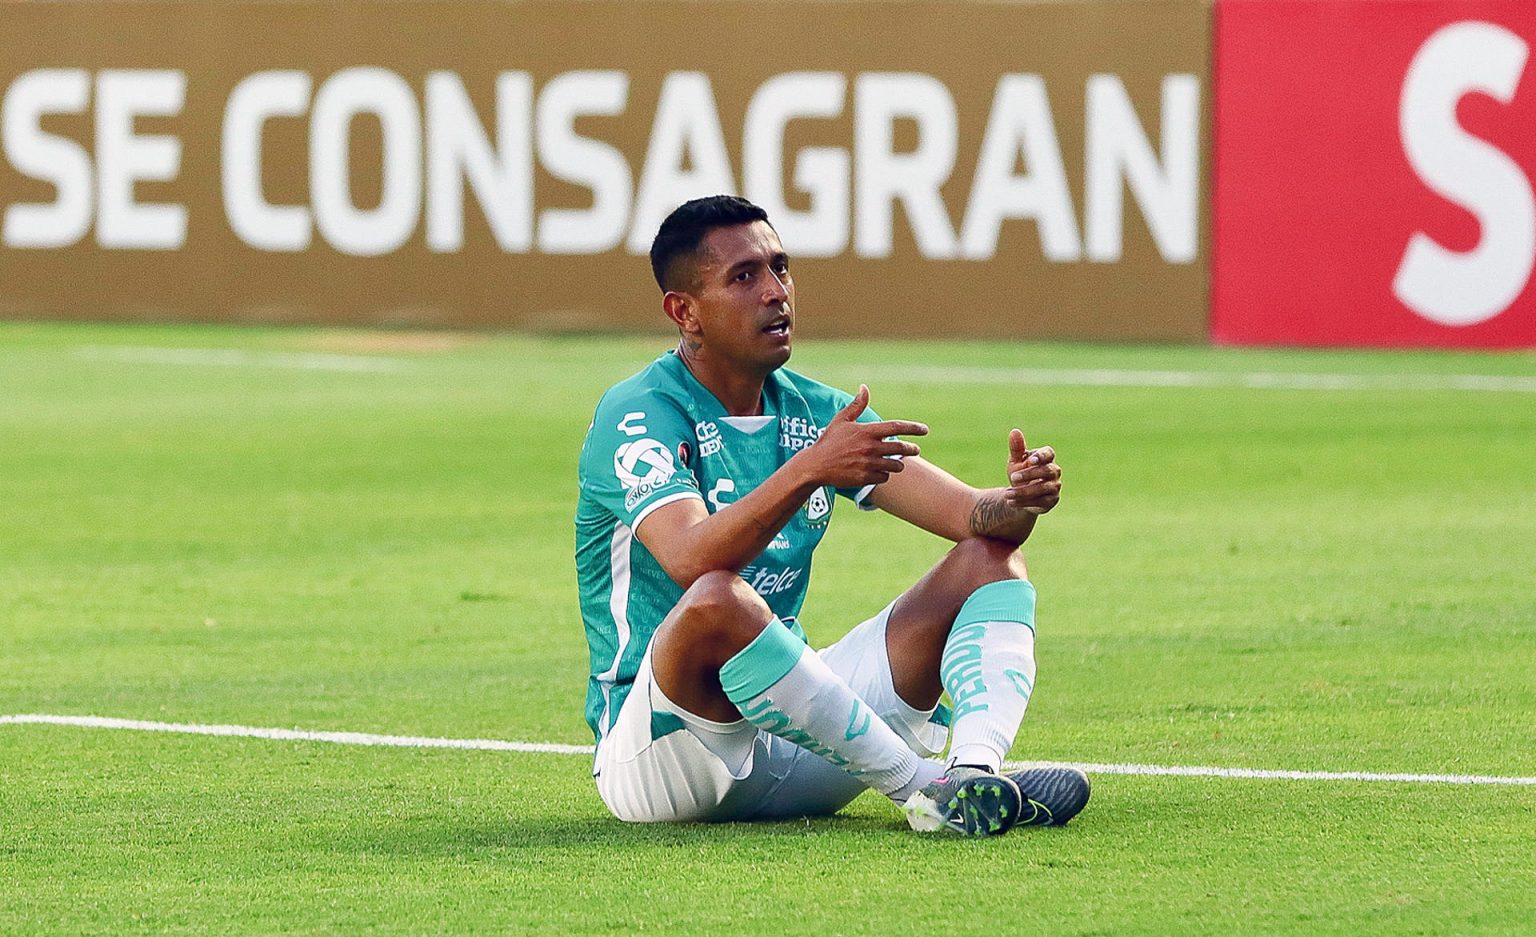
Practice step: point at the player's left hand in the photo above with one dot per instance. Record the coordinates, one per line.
(1034, 478)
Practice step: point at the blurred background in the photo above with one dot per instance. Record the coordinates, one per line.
(1281, 172)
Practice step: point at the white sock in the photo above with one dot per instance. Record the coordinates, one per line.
(927, 773)
(988, 669)
(784, 688)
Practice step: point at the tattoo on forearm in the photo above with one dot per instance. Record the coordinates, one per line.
(989, 514)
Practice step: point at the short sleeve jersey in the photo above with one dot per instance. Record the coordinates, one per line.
(660, 437)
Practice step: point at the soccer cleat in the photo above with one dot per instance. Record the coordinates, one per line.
(1051, 795)
(968, 801)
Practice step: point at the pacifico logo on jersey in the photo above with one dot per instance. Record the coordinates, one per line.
(796, 433)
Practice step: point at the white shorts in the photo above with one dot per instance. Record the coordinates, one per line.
(662, 763)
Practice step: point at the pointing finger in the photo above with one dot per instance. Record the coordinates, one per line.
(898, 428)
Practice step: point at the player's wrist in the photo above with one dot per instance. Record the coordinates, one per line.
(805, 470)
(993, 516)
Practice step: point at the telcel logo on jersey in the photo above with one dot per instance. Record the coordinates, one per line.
(766, 582)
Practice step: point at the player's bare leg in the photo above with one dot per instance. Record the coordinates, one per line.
(968, 627)
(716, 618)
(920, 623)
(723, 656)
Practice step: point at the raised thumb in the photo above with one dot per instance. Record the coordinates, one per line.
(855, 407)
(1018, 449)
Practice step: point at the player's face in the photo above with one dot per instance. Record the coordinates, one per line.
(744, 297)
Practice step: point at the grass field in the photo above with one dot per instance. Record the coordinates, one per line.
(372, 532)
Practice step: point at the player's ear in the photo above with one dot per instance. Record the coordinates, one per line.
(679, 308)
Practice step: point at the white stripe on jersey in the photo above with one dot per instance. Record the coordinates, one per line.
(675, 496)
(618, 605)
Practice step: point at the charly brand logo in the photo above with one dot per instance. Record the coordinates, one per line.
(631, 425)
(722, 487)
(642, 462)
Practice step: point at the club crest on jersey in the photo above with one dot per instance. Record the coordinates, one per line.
(643, 462)
(818, 508)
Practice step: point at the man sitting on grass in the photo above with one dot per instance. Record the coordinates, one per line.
(707, 481)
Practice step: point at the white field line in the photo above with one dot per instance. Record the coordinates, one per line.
(1252, 380)
(294, 735)
(548, 748)
(237, 358)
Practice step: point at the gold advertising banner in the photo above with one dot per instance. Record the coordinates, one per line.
(934, 168)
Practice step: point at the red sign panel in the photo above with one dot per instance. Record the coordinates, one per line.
(1375, 169)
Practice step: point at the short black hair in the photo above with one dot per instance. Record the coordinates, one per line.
(680, 235)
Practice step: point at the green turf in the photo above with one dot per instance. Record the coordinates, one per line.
(1330, 580)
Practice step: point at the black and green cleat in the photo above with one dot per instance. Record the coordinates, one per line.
(968, 801)
(1052, 794)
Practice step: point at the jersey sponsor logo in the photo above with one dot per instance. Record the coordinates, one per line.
(796, 433)
(637, 494)
(766, 582)
(643, 461)
(710, 441)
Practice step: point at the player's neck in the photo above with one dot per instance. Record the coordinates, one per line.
(740, 392)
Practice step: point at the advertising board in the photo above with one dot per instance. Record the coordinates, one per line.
(1374, 169)
(935, 168)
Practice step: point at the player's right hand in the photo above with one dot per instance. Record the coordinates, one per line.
(850, 454)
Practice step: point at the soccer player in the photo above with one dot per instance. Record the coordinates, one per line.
(707, 481)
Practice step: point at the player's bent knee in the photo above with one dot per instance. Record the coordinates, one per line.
(720, 606)
(989, 560)
(720, 593)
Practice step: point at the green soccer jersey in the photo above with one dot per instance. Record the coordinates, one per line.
(660, 437)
